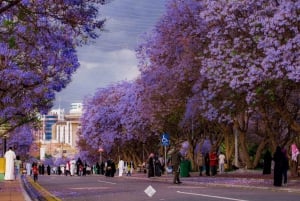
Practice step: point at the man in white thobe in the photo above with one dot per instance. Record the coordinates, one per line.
(72, 167)
(28, 168)
(121, 167)
(9, 156)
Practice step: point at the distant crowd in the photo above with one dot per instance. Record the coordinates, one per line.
(208, 164)
(79, 168)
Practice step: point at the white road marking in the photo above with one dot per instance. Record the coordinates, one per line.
(189, 187)
(107, 182)
(89, 188)
(211, 196)
(150, 191)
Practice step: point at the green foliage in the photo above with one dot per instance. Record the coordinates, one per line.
(8, 23)
(259, 90)
(222, 148)
(48, 156)
(12, 42)
(252, 149)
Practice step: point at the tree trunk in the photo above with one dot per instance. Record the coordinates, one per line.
(229, 144)
(259, 151)
(244, 150)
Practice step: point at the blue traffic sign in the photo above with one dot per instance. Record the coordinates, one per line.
(165, 139)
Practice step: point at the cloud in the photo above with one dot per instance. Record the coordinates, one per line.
(111, 67)
(115, 65)
(111, 58)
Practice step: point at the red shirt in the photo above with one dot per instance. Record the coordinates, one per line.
(35, 170)
(213, 161)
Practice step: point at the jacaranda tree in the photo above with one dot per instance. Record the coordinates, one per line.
(21, 139)
(38, 43)
(233, 64)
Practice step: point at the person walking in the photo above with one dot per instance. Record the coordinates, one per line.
(221, 163)
(35, 172)
(102, 168)
(213, 161)
(207, 167)
(267, 162)
(176, 159)
(121, 166)
(67, 169)
(9, 156)
(110, 168)
(200, 162)
(162, 164)
(48, 169)
(97, 168)
(28, 168)
(131, 167)
(128, 169)
(151, 165)
(72, 167)
(42, 169)
(18, 164)
(79, 167)
(278, 163)
(285, 166)
(113, 168)
(157, 166)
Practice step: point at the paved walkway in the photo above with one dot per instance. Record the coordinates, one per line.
(14, 190)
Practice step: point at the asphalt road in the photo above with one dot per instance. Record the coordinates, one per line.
(100, 188)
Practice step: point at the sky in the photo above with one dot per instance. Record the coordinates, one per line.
(112, 57)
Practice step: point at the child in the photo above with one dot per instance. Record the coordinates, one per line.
(35, 172)
(128, 170)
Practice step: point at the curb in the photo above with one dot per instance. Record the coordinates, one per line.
(35, 191)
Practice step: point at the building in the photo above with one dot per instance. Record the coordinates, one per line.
(59, 134)
(48, 121)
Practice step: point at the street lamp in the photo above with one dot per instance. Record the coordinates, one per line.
(4, 133)
(4, 143)
(143, 152)
(101, 151)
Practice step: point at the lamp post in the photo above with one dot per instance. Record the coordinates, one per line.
(101, 151)
(143, 152)
(4, 133)
(4, 143)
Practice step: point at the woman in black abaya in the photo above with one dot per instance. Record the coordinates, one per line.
(267, 162)
(278, 163)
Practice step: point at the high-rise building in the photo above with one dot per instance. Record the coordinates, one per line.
(48, 122)
(59, 134)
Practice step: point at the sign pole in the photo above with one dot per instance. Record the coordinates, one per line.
(166, 166)
(165, 140)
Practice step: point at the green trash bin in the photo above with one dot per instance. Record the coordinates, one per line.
(185, 168)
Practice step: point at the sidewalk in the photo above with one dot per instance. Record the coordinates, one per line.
(13, 191)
